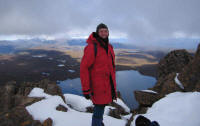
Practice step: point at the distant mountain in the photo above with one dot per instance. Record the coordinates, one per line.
(181, 43)
(124, 46)
(114, 42)
(5, 49)
(77, 42)
(9, 46)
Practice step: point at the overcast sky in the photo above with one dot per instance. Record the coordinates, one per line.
(139, 20)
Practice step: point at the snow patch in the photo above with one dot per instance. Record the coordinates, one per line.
(176, 109)
(178, 82)
(72, 71)
(39, 56)
(60, 60)
(45, 73)
(121, 103)
(149, 91)
(78, 103)
(38, 92)
(107, 109)
(60, 65)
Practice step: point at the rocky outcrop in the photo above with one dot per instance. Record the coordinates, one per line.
(48, 86)
(7, 93)
(24, 100)
(146, 99)
(173, 62)
(190, 75)
(12, 94)
(177, 61)
(14, 98)
(166, 85)
(18, 116)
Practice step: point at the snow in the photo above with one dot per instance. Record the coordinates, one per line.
(60, 65)
(46, 108)
(121, 103)
(127, 117)
(149, 91)
(78, 103)
(107, 109)
(45, 73)
(60, 60)
(176, 109)
(72, 71)
(178, 82)
(39, 56)
(38, 92)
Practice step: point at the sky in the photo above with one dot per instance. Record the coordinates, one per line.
(141, 21)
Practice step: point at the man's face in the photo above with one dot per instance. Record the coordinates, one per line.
(103, 33)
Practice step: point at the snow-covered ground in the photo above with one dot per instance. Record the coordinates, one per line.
(75, 116)
(176, 109)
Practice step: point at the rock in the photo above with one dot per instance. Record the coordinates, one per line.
(163, 86)
(90, 109)
(61, 108)
(130, 120)
(114, 113)
(24, 100)
(173, 62)
(48, 86)
(7, 93)
(18, 116)
(119, 108)
(198, 51)
(142, 110)
(178, 61)
(146, 98)
(190, 75)
(14, 98)
(166, 85)
(47, 122)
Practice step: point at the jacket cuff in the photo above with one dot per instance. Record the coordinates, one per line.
(86, 91)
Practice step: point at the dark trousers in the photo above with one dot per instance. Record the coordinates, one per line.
(97, 117)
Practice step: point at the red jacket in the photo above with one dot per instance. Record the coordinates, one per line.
(95, 72)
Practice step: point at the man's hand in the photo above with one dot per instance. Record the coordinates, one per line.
(87, 96)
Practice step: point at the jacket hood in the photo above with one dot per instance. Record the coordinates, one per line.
(91, 38)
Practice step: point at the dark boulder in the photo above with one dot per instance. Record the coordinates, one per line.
(190, 75)
(146, 98)
(61, 108)
(173, 62)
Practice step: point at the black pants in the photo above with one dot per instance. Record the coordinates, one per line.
(97, 117)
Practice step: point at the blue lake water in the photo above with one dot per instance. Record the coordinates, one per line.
(127, 82)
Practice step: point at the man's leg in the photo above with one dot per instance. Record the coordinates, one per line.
(97, 117)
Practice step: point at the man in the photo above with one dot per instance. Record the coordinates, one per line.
(97, 72)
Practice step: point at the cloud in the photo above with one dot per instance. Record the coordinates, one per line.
(141, 20)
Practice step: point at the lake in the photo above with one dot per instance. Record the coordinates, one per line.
(127, 82)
